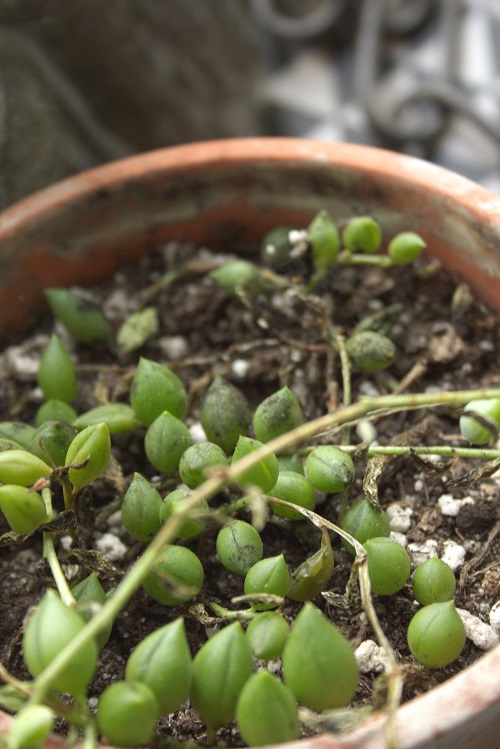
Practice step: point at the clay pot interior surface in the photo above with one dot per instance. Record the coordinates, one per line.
(226, 195)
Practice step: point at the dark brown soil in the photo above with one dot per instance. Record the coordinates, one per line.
(274, 340)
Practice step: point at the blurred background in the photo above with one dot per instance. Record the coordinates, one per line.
(83, 82)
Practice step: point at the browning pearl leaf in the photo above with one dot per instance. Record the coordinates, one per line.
(224, 414)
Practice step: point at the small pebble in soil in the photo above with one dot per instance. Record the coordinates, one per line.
(370, 657)
(453, 554)
(450, 506)
(495, 617)
(400, 538)
(197, 433)
(399, 518)
(419, 551)
(111, 547)
(481, 634)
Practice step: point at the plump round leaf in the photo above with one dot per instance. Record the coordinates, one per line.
(364, 521)
(127, 713)
(239, 546)
(50, 628)
(81, 317)
(263, 474)
(22, 467)
(405, 247)
(171, 502)
(57, 372)
(30, 728)
(55, 410)
(24, 509)
(388, 565)
(197, 459)
(436, 634)
(163, 662)
(324, 240)
(293, 487)
(90, 597)
(480, 421)
(362, 234)
(291, 462)
(19, 432)
(118, 417)
(235, 275)
(329, 469)
(267, 634)
(224, 414)
(277, 414)
(433, 582)
(140, 509)
(276, 249)
(318, 662)
(220, 669)
(267, 712)
(155, 389)
(369, 351)
(52, 439)
(268, 576)
(94, 443)
(166, 440)
(176, 577)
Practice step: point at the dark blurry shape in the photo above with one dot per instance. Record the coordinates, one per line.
(297, 19)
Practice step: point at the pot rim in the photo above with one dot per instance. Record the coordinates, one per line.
(477, 687)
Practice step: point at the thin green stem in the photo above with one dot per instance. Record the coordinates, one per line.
(50, 555)
(231, 614)
(445, 451)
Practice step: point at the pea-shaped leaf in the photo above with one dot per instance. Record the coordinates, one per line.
(276, 248)
(195, 461)
(171, 502)
(92, 444)
(436, 634)
(388, 565)
(137, 329)
(118, 417)
(318, 662)
(263, 474)
(277, 414)
(293, 487)
(324, 240)
(166, 440)
(369, 351)
(22, 467)
(269, 576)
(127, 713)
(155, 389)
(329, 469)
(239, 546)
(50, 628)
(52, 440)
(362, 234)
(291, 462)
(405, 247)
(24, 509)
(312, 576)
(19, 432)
(235, 275)
(433, 582)
(364, 521)
(267, 634)
(176, 577)
(267, 712)
(220, 669)
(90, 597)
(163, 662)
(81, 317)
(31, 727)
(140, 509)
(55, 410)
(57, 372)
(224, 414)
(480, 421)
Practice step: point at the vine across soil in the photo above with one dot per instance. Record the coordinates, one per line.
(445, 340)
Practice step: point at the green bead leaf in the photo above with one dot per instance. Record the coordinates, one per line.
(93, 442)
(137, 329)
(224, 414)
(388, 565)
(364, 521)
(318, 662)
(277, 414)
(237, 275)
(197, 459)
(433, 582)
(293, 487)
(19, 432)
(155, 389)
(267, 634)
(50, 628)
(267, 712)
(55, 410)
(53, 439)
(436, 635)
(140, 509)
(163, 662)
(90, 597)
(480, 421)
(276, 249)
(24, 509)
(81, 317)
(127, 713)
(362, 234)
(118, 417)
(176, 577)
(369, 351)
(239, 546)
(57, 372)
(172, 502)
(269, 576)
(405, 247)
(220, 669)
(312, 576)
(324, 240)
(31, 727)
(264, 474)
(329, 469)
(22, 467)
(166, 440)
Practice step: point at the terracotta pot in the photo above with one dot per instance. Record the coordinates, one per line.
(226, 194)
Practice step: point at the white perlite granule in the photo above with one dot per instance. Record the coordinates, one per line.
(481, 634)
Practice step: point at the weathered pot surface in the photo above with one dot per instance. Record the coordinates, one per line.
(225, 194)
